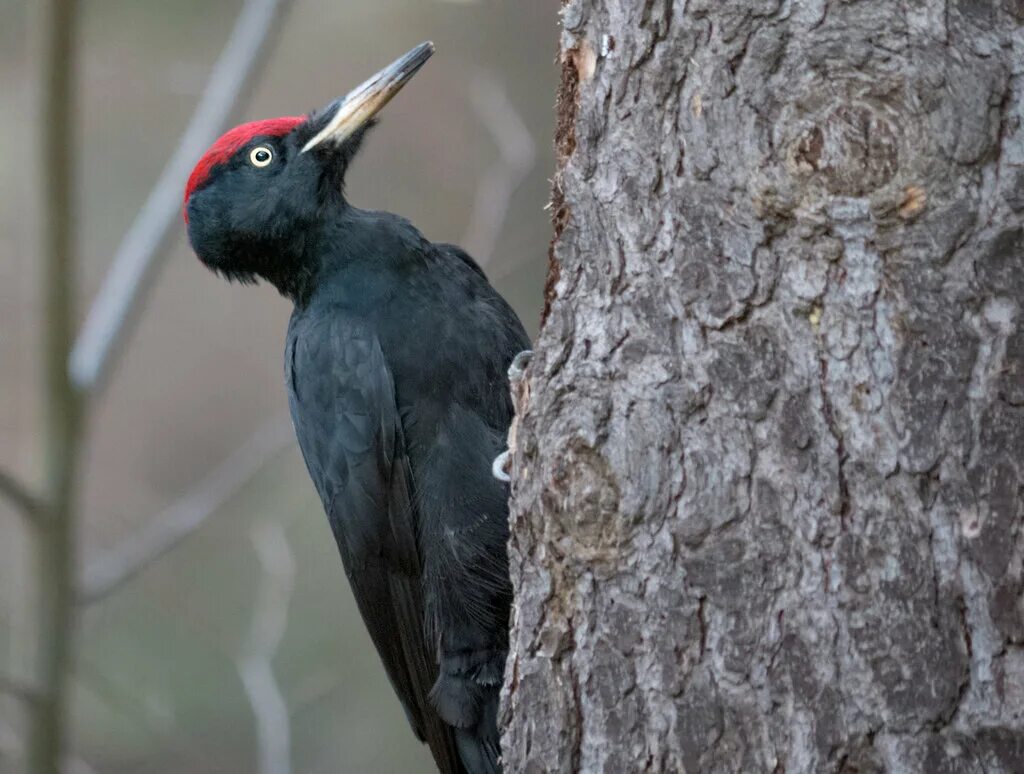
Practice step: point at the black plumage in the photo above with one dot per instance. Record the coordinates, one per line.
(396, 368)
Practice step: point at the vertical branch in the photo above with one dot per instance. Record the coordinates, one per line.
(11, 750)
(55, 539)
(255, 665)
(71, 373)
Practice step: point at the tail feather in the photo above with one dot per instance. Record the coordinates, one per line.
(480, 747)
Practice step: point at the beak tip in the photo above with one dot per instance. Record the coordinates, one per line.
(422, 52)
(361, 104)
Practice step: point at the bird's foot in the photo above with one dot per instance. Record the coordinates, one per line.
(517, 369)
(501, 467)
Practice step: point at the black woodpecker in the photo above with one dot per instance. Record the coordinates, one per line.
(396, 367)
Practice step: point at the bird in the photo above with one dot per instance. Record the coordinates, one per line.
(396, 361)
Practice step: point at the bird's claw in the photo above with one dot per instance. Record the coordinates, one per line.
(500, 466)
(519, 363)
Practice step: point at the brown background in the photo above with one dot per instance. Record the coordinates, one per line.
(156, 686)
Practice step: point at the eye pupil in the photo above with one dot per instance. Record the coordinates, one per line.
(261, 156)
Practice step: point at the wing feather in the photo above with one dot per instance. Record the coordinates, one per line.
(342, 400)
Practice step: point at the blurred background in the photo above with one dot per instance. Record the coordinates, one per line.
(194, 417)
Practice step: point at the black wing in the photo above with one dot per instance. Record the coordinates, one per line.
(342, 399)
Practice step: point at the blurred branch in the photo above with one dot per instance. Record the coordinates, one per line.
(255, 665)
(518, 154)
(316, 687)
(11, 686)
(134, 264)
(75, 765)
(11, 749)
(151, 711)
(55, 540)
(163, 532)
(19, 496)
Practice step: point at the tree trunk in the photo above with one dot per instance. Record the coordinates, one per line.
(768, 487)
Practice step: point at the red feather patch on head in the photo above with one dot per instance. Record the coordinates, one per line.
(230, 142)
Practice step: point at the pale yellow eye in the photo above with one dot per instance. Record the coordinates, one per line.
(261, 156)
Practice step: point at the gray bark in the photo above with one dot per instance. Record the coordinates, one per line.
(768, 484)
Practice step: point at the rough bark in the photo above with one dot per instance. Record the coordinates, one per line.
(768, 490)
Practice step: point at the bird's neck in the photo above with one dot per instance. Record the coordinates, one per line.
(296, 283)
(354, 256)
(313, 255)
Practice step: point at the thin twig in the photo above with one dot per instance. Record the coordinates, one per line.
(315, 688)
(163, 532)
(148, 711)
(18, 495)
(255, 664)
(501, 180)
(134, 264)
(77, 765)
(12, 686)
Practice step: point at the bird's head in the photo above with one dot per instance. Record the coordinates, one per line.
(257, 195)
